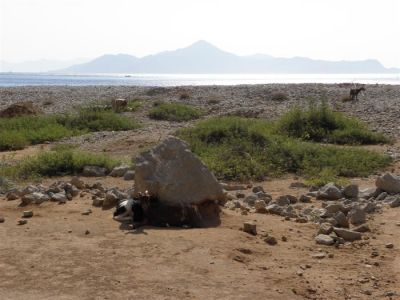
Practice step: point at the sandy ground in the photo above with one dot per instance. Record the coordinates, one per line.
(52, 257)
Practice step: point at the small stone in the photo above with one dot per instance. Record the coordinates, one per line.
(27, 214)
(77, 182)
(319, 255)
(119, 171)
(260, 206)
(325, 228)
(389, 246)
(351, 191)
(2, 220)
(87, 232)
(12, 196)
(305, 199)
(250, 228)
(22, 222)
(347, 235)
(257, 189)
(97, 202)
(87, 212)
(284, 238)
(362, 228)
(270, 240)
(94, 171)
(357, 216)
(323, 239)
(129, 175)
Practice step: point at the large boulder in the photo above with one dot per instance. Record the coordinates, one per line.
(171, 173)
(389, 183)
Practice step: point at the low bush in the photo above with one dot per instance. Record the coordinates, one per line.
(319, 123)
(19, 132)
(55, 163)
(177, 112)
(240, 149)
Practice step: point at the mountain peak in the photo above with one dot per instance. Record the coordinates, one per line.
(203, 45)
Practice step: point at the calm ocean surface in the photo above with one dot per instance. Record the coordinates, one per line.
(25, 79)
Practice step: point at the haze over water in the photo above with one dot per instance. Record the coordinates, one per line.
(20, 79)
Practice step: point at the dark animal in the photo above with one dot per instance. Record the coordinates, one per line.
(354, 93)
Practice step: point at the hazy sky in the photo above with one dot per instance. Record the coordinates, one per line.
(325, 29)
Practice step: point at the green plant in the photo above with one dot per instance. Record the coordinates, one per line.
(319, 123)
(178, 112)
(236, 148)
(55, 163)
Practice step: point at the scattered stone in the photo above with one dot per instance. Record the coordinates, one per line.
(2, 220)
(12, 195)
(362, 228)
(250, 200)
(323, 239)
(368, 193)
(98, 202)
(76, 181)
(381, 196)
(22, 222)
(27, 214)
(270, 240)
(319, 255)
(282, 201)
(329, 192)
(388, 183)
(274, 209)
(370, 207)
(87, 232)
(87, 212)
(357, 216)
(389, 246)
(260, 206)
(305, 199)
(325, 228)
(347, 235)
(119, 171)
(334, 208)
(59, 197)
(301, 220)
(258, 189)
(341, 219)
(351, 191)
(395, 202)
(94, 171)
(129, 175)
(111, 199)
(250, 228)
(240, 195)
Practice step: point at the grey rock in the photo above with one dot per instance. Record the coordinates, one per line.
(119, 171)
(250, 228)
(12, 195)
(27, 214)
(173, 174)
(250, 200)
(77, 182)
(323, 239)
(233, 187)
(260, 206)
(362, 228)
(270, 240)
(305, 199)
(329, 192)
(369, 193)
(94, 171)
(22, 222)
(357, 216)
(381, 196)
(341, 219)
(334, 208)
(35, 198)
(110, 200)
(274, 209)
(129, 175)
(282, 201)
(97, 202)
(347, 235)
(59, 197)
(325, 228)
(258, 189)
(389, 183)
(351, 191)
(370, 207)
(395, 202)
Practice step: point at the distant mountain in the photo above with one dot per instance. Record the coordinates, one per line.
(203, 57)
(37, 66)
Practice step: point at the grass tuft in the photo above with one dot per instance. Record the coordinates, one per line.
(177, 112)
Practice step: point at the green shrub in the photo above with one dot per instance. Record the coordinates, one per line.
(17, 133)
(319, 123)
(239, 149)
(178, 112)
(56, 163)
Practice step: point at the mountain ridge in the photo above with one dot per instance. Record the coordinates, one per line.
(203, 57)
